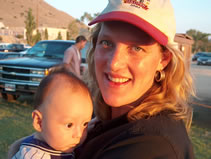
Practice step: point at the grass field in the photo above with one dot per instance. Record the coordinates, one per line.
(15, 122)
(201, 139)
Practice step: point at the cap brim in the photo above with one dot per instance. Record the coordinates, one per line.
(134, 20)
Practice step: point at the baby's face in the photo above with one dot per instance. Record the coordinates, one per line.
(65, 118)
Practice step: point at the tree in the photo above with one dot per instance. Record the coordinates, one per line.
(68, 35)
(73, 29)
(201, 40)
(95, 15)
(59, 37)
(46, 34)
(88, 16)
(37, 37)
(30, 26)
(19, 36)
(209, 45)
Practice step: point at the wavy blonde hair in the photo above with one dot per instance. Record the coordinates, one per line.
(169, 95)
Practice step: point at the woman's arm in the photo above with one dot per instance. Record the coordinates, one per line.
(147, 147)
(139, 147)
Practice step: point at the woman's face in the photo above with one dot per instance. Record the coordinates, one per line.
(126, 60)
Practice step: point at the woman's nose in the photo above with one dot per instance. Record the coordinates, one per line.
(117, 58)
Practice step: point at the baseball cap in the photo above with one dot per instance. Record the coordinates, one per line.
(155, 17)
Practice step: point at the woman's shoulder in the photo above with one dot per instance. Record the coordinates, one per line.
(161, 123)
(164, 126)
(161, 133)
(158, 135)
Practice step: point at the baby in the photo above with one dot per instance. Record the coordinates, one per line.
(63, 108)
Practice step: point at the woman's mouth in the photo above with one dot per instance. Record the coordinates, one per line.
(118, 80)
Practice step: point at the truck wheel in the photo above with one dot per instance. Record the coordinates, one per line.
(9, 97)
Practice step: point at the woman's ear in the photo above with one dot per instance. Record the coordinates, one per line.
(37, 120)
(166, 58)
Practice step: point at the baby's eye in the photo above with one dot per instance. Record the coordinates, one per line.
(106, 43)
(86, 124)
(69, 125)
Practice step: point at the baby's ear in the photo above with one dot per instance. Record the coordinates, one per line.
(37, 120)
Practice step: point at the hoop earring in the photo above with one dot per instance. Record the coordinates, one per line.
(159, 76)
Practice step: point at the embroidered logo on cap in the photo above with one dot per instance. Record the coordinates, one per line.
(138, 3)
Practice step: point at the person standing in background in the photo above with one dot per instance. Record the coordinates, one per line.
(72, 55)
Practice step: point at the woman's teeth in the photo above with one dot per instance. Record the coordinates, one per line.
(118, 80)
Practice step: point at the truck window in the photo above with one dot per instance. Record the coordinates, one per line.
(48, 49)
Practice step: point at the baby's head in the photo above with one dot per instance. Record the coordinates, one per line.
(63, 108)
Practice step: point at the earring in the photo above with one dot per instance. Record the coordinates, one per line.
(159, 76)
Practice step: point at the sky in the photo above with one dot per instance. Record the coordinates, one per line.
(189, 14)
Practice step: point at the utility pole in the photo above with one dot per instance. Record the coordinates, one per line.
(37, 15)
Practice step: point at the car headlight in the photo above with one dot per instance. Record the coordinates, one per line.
(36, 79)
(40, 72)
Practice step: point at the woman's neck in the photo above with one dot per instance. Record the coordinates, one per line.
(119, 111)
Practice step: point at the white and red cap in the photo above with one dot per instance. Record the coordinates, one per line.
(155, 17)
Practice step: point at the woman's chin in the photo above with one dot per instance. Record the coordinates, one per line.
(114, 102)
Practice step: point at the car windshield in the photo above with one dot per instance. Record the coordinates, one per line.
(198, 54)
(206, 55)
(15, 46)
(3, 46)
(49, 49)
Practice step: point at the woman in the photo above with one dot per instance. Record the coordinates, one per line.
(140, 83)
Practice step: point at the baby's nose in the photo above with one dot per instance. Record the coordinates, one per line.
(77, 132)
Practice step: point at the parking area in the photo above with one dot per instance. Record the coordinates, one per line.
(202, 104)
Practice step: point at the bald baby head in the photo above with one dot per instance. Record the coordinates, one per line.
(59, 78)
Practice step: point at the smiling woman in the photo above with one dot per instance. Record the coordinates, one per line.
(141, 84)
(124, 62)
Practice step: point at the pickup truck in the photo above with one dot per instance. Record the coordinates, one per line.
(12, 48)
(23, 75)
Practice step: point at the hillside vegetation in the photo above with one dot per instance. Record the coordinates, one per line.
(13, 13)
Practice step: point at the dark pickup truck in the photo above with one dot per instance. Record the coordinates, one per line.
(22, 75)
(13, 48)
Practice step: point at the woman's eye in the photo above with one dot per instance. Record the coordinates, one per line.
(69, 125)
(137, 49)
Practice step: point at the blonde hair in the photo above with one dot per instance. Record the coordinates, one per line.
(169, 95)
